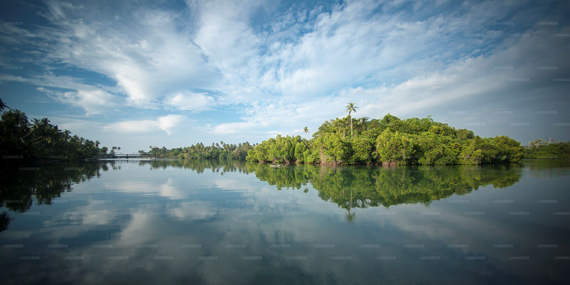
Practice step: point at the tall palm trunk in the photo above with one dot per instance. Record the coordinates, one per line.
(350, 125)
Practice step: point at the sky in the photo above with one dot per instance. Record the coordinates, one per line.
(143, 73)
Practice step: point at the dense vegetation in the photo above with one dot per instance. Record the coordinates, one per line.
(389, 141)
(541, 149)
(199, 151)
(21, 140)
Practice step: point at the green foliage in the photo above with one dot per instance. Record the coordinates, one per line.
(333, 148)
(363, 150)
(508, 150)
(437, 149)
(200, 151)
(538, 149)
(40, 140)
(391, 141)
(300, 149)
(281, 149)
(395, 147)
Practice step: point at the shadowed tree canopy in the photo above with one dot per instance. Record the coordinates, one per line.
(22, 140)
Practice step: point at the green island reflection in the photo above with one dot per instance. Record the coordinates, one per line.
(347, 186)
(362, 187)
(366, 186)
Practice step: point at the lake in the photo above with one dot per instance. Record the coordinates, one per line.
(228, 222)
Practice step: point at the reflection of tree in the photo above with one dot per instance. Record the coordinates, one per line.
(21, 186)
(4, 221)
(540, 168)
(199, 165)
(362, 187)
(349, 216)
(294, 177)
(348, 187)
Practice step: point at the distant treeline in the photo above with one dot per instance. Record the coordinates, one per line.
(388, 141)
(200, 151)
(21, 140)
(541, 149)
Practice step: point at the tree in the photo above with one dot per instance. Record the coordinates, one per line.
(66, 135)
(536, 143)
(351, 108)
(395, 142)
(40, 140)
(395, 147)
(2, 105)
(306, 130)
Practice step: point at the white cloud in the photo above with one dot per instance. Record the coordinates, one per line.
(189, 101)
(465, 77)
(143, 126)
(170, 122)
(281, 70)
(93, 101)
(234, 128)
(147, 56)
(166, 123)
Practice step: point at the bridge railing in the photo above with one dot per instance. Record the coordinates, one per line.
(125, 155)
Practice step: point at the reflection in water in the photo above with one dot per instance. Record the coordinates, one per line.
(363, 187)
(230, 222)
(4, 221)
(22, 186)
(198, 166)
(347, 187)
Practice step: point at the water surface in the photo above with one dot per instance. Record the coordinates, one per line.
(228, 222)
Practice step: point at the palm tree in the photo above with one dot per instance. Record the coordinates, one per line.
(351, 108)
(2, 105)
(66, 135)
(350, 216)
(306, 130)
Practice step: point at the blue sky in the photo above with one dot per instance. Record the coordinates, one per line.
(141, 73)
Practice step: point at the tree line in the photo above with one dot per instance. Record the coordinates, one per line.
(200, 151)
(39, 140)
(22, 140)
(387, 141)
(541, 149)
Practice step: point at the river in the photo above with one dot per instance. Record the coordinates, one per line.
(231, 222)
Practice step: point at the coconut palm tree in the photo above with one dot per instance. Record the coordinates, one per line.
(306, 130)
(66, 135)
(351, 108)
(3, 106)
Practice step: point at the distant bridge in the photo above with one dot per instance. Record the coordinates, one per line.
(125, 155)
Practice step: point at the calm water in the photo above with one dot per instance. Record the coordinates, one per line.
(204, 222)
